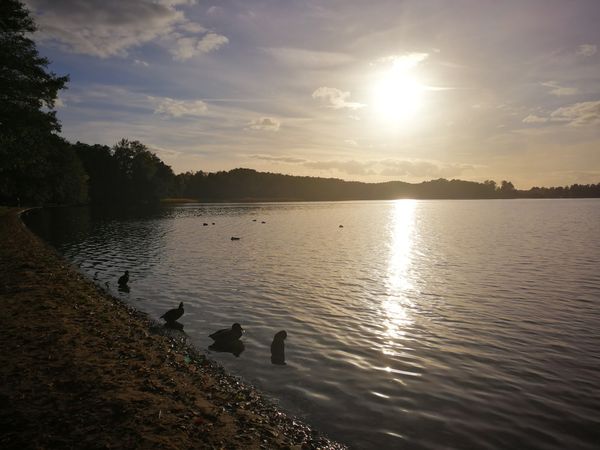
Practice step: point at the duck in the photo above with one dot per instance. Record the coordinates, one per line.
(278, 348)
(173, 314)
(233, 238)
(227, 335)
(124, 279)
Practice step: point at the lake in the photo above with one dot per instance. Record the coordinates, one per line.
(411, 324)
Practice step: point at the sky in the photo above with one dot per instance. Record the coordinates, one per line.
(354, 89)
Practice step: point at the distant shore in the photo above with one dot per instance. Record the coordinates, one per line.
(81, 369)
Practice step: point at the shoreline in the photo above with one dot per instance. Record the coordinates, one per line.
(83, 369)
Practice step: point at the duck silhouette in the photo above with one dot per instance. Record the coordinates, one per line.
(124, 279)
(173, 314)
(227, 335)
(278, 348)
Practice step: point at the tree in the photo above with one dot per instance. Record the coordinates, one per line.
(30, 169)
(141, 176)
(26, 87)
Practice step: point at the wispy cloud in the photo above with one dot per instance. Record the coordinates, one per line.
(179, 108)
(284, 159)
(188, 47)
(558, 90)
(423, 168)
(418, 168)
(265, 124)
(576, 115)
(335, 98)
(532, 118)
(579, 114)
(404, 62)
(298, 57)
(587, 50)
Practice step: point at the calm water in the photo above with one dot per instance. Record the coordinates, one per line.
(419, 324)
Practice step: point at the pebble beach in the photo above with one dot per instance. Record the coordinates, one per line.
(81, 369)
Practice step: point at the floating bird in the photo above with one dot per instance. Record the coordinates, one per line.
(124, 279)
(205, 224)
(227, 335)
(341, 226)
(253, 220)
(278, 348)
(263, 221)
(233, 238)
(173, 314)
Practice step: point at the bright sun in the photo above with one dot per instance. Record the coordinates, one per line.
(397, 95)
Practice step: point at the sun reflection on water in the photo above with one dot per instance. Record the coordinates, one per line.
(399, 284)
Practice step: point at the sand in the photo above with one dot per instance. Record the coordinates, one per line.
(80, 369)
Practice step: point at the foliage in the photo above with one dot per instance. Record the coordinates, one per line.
(127, 173)
(26, 87)
(36, 166)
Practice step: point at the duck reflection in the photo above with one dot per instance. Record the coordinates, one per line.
(236, 348)
(174, 325)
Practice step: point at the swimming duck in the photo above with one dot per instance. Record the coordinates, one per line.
(278, 348)
(124, 279)
(227, 335)
(173, 314)
(233, 238)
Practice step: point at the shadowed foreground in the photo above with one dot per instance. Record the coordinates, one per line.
(79, 369)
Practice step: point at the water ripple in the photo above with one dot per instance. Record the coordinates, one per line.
(430, 324)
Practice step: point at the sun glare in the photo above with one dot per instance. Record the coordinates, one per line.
(397, 95)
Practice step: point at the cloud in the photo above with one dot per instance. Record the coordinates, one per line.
(214, 10)
(188, 47)
(177, 2)
(212, 41)
(297, 57)
(179, 108)
(384, 167)
(264, 123)
(106, 28)
(404, 62)
(423, 168)
(334, 98)
(192, 27)
(578, 114)
(349, 167)
(587, 50)
(532, 118)
(558, 90)
(285, 159)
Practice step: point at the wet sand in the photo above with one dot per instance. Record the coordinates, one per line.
(80, 369)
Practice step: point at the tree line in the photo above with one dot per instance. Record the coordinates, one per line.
(38, 167)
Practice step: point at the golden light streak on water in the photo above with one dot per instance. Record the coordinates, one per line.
(402, 231)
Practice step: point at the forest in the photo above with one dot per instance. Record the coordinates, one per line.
(38, 167)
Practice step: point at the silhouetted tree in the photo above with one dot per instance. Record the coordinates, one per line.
(35, 165)
(141, 176)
